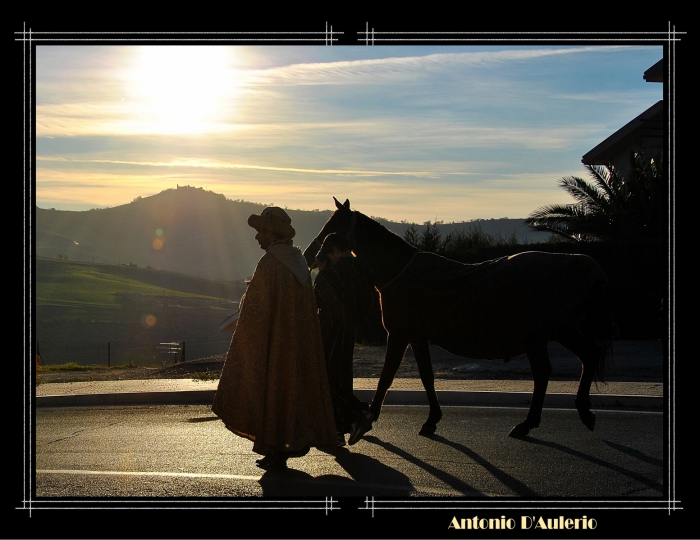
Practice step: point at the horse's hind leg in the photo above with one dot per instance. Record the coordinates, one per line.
(541, 368)
(425, 369)
(590, 355)
(395, 349)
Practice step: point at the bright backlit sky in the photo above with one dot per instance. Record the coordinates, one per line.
(415, 133)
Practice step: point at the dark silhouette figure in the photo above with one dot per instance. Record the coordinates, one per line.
(494, 310)
(344, 293)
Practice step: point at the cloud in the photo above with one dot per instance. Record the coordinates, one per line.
(455, 197)
(207, 164)
(397, 68)
(461, 132)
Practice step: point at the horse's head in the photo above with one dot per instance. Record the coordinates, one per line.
(341, 221)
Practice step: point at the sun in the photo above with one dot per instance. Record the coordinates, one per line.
(183, 89)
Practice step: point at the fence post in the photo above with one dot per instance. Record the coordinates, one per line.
(183, 351)
(108, 353)
(37, 358)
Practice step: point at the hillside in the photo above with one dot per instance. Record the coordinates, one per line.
(191, 231)
(187, 231)
(105, 284)
(86, 303)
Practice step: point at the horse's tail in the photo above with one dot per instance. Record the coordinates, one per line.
(598, 325)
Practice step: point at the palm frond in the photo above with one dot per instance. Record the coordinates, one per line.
(589, 195)
(607, 179)
(608, 205)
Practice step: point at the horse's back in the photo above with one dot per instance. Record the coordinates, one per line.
(582, 267)
(489, 309)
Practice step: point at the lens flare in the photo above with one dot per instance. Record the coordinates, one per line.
(148, 321)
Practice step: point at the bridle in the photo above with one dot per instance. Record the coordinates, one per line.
(349, 235)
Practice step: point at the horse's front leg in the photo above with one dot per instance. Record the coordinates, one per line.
(541, 368)
(425, 369)
(395, 349)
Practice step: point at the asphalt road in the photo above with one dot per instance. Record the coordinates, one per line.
(392, 484)
(184, 451)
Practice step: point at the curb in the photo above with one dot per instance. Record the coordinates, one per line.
(393, 397)
(512, 399)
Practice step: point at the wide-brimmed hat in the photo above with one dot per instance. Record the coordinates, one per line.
(273, 219)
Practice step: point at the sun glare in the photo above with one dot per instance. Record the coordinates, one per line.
(183, 89)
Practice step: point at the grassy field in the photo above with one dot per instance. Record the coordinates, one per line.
(59, 283)
(73, 366)
(82, 302)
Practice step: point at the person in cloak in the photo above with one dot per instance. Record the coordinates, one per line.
(344, 293)
(273, 388)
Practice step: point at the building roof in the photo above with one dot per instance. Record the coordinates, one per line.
(655, 73)
(640, 132)
(644, 133)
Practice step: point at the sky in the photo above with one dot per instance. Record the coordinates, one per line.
(416, 133)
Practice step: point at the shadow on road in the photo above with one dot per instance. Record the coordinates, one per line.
(507, 480)
(368, 477)
(597, 461)
(452, 481)
(641, 456)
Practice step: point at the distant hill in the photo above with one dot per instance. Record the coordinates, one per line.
(195, 232)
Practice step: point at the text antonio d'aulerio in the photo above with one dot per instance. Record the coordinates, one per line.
(524, 522)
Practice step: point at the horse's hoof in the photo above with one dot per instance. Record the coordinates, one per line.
(427, 430)
(519, 431)
(588, 420)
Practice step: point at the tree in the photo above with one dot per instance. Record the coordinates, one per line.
(460, 242)
(609, 206)
(431, 239)
(411, 236)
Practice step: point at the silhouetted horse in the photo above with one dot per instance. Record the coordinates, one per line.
(496, 309)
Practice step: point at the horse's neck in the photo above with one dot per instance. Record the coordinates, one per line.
(385, 252)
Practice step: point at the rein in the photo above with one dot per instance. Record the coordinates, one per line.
(349, 235)
(380, 289)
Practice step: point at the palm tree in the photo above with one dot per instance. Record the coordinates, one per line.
(609, 206)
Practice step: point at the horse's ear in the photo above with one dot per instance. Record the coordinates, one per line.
(345, 205)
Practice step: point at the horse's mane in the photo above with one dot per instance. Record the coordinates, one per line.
(376, 228)
(385, 250)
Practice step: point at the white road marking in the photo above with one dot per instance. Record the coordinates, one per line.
(402, 488)
(152, 473)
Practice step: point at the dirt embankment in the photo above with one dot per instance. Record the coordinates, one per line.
(184, 370)
(632, 361)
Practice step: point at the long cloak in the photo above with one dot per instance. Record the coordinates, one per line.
(274, 388)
